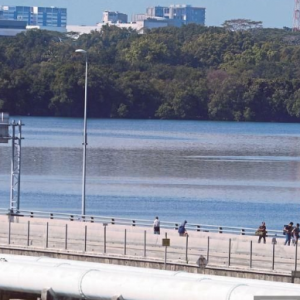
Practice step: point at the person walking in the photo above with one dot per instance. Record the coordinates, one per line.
(156, 226)
(288, 233)
(181, 230)
(295, 234)
(262, 231)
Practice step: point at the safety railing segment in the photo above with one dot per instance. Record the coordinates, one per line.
(140, 222)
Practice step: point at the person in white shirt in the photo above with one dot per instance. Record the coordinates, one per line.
(156, 226)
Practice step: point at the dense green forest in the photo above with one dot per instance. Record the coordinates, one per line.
(192, 72)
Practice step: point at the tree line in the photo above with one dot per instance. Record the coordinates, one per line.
(193, 72)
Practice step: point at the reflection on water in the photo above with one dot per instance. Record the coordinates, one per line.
(206, 172)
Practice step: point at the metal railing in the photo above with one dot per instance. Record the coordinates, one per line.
(140, 222)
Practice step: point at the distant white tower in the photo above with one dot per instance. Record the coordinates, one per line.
(296, 26)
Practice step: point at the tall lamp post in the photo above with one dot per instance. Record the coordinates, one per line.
(84, 132)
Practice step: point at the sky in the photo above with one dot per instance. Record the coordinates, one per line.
(273, 13)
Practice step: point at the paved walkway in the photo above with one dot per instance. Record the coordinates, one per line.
(221, 250)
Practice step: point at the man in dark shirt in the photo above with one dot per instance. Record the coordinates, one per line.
(288, 233)
(262, 229)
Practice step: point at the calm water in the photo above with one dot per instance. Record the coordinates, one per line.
(235, 174)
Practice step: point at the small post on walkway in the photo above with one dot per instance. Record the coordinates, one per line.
(186, 249)
(273, 257)
(145, 236)
(47, 234)
(296, 254)
(166, 247)
(104, 242)
(85, 237)
(250, 254)
(66, 237)
(229, 253)
(28, 233)
(207, 250)
(125, 241)
(9, 230)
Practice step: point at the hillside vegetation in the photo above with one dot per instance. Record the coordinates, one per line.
(193, 72)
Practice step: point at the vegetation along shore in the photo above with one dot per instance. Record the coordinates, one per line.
(191, 73)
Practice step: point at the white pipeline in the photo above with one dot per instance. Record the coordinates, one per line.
(100, 281)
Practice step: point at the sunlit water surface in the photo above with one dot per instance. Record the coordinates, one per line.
(218, 173)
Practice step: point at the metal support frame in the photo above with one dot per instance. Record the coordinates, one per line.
(15, 167)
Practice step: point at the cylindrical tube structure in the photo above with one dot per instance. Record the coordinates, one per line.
(104, 284)
(101, 281)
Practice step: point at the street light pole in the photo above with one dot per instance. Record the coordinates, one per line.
(84, 132)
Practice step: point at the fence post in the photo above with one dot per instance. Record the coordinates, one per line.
(229, 253)
(9, 230)
(145, 232)
(28, 233)
(186, 249)
(104, 239)
(250, 254)
(242, 231)
(207, 259)
(273, 257)
(296, 254)
(220, 229)
(85, 237)
(66, 237)
(47, 234)
(166, 236)
(125, 241)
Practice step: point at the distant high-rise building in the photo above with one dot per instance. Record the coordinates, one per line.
(114, 17)
(43, 17)
(180, 14)
(156, 11)
(138, 17)
(11, 28)
(187, 14)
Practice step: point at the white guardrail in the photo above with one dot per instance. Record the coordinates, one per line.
(140, 222)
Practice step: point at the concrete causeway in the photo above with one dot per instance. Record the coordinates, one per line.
(226, 254)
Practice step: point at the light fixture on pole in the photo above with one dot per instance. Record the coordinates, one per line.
(84, 132)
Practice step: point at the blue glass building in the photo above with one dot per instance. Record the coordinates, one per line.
(183, 14)
(35, 16)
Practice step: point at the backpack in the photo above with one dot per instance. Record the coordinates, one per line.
(181, 229)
